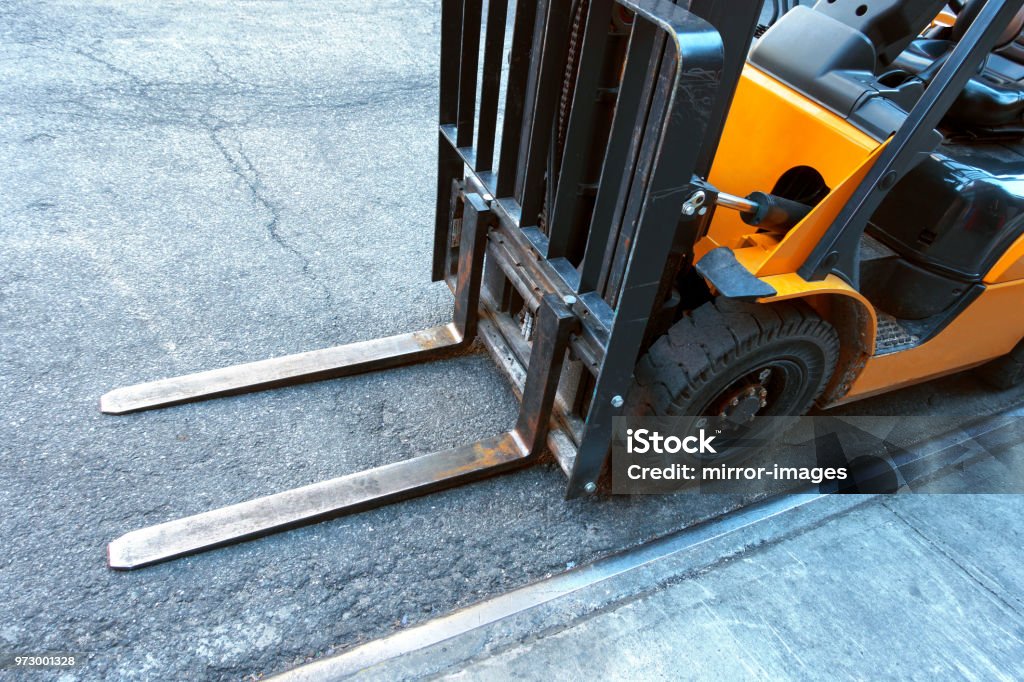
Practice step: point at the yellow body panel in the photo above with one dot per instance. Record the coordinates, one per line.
(792, 285)
(796, 246)
(987, 329)
(771, 129)
(1010, 266)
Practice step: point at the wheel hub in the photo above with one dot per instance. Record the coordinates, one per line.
(741, 403)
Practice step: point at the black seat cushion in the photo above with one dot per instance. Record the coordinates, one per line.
(988, 100)
(993, 98)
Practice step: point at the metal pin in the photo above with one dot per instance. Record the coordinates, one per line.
(694, 202)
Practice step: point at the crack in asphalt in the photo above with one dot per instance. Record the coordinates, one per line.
(111, 66)
(169, 101)
(238, 161)
(243, 167)
(219, 69)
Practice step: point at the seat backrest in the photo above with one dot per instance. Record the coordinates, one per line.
(890, 25)
(1014, 31)
(833, 53)
(1010, 43)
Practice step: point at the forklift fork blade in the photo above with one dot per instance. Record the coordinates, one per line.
(328, 363)
(318, 501)
(374, 487)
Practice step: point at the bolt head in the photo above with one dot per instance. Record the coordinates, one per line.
(617, 401)
(590, 488)
(570, 300)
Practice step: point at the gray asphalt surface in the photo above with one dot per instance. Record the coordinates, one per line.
(190, 185)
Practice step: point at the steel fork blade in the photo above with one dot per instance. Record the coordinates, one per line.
(364, 489)
(314, 365)
(318, 501)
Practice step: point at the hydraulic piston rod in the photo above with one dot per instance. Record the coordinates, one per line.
(767, 211)
(736, 203)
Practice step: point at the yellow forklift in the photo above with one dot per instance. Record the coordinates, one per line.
(649, 208)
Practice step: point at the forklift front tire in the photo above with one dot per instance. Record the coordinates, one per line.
(737, 361)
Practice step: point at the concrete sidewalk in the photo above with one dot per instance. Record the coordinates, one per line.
(911, 587)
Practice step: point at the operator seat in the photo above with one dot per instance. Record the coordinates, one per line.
(992, 102)
(866, 63)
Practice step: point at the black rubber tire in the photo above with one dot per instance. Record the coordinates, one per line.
(1005, 372)
(706, 352)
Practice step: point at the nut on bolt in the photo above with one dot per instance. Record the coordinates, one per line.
(694, 202)
(590, 488)
(617, 401)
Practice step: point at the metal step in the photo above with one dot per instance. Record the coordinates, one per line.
(872, 249)
(892, 336)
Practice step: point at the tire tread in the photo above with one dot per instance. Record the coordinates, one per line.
(708, 339)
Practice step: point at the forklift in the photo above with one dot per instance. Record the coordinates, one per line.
(650, 208)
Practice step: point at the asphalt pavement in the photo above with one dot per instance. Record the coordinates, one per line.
(185, 186)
